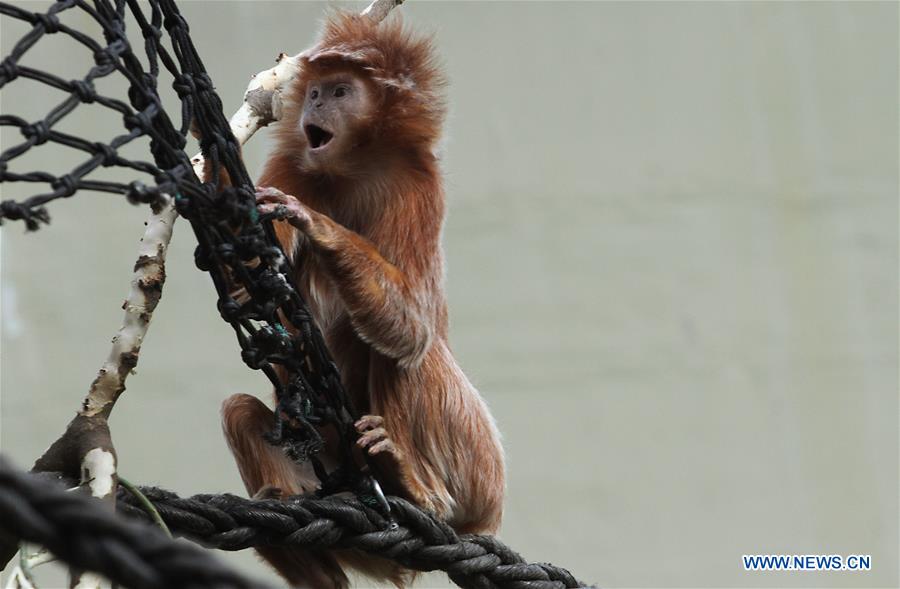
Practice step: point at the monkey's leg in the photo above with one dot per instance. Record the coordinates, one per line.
(245, 419)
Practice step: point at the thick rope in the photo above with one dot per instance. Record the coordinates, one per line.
(415, 539)
(87, 534)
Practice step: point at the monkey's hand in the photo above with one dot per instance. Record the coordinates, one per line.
(287, 207)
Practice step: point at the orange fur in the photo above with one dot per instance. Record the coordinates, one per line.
(373, 275)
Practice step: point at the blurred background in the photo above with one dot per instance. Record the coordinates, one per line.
(672, 269)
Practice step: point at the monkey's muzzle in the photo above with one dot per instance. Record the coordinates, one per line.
(317, 136)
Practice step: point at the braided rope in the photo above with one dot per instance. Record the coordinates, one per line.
(414, 538)
(87, 534)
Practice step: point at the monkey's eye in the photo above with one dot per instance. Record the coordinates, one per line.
(314, 94)
(340, 91)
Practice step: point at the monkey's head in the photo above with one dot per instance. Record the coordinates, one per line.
(364, 92)
(338, 108)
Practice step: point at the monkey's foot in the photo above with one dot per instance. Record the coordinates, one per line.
(374, 438)
(399, 478)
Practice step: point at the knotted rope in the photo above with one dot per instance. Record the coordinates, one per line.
(415, 539)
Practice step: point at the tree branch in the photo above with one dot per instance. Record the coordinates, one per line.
(146, 288)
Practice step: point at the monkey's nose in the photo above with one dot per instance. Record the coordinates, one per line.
(319, 104)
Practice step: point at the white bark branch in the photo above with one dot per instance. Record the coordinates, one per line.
(379, 9)
(98, 460)
(30, 556)
(87, 438)
(146, 288)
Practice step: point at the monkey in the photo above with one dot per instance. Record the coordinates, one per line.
(355, 179)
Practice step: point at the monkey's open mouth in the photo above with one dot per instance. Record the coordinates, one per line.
(317, 136)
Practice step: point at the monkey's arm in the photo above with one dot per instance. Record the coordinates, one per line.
(388, 307)
(385, 305)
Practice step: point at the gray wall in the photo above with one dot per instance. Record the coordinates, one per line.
(672, 250)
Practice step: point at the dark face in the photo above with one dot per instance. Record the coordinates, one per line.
(335, 109)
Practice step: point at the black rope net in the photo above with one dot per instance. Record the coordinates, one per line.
(236, 246)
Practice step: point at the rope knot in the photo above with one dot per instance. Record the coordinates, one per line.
(84, 90)
(230, 310)
(252, 358)
(33, 217)
(50, 22)
(140, 120)
(110, 54)
(38, 133)
(152, 33)
(191, 84)
(138, 193)
(202, 261)
(109, 154)
(225, 251)
(203, 82)
(300, 317)
(65, 185)
(175, 21)
(183, 206)
(184, 85)
(170, 180)
(10, 209)
(9, 71)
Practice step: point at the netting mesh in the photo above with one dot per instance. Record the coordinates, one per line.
(142, 115)
(235, 245)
